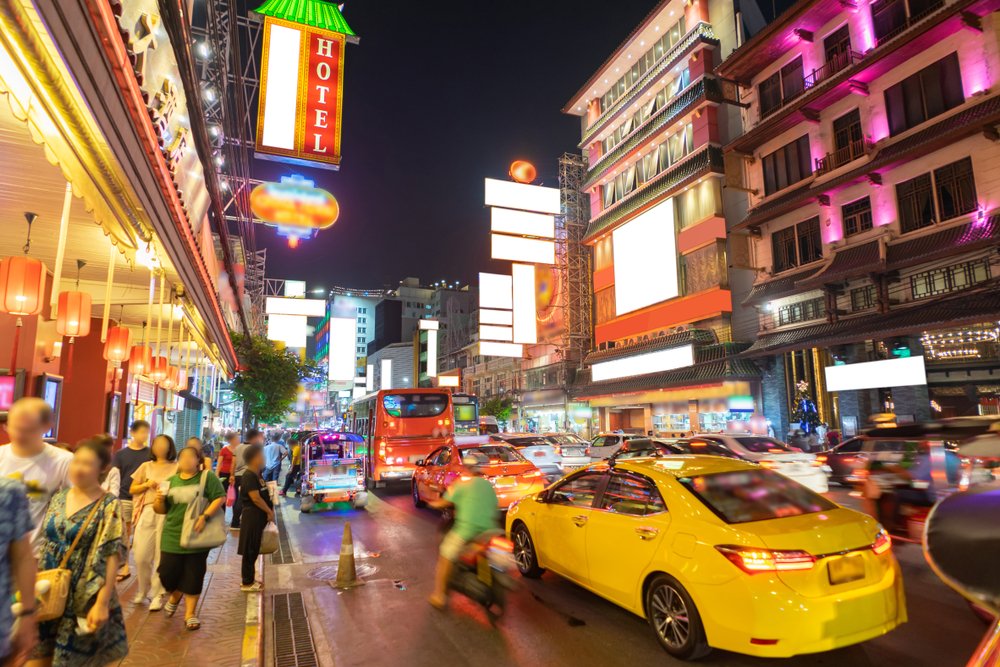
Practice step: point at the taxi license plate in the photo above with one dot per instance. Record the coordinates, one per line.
(845, 569)
(506, 481)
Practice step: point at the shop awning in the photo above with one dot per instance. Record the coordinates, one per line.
(716, 363)
(967, 307)
(775, 289)
(846, 263)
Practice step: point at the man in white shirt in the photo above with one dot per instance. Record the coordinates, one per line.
(42, 468)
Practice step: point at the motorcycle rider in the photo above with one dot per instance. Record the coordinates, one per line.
(475, 504)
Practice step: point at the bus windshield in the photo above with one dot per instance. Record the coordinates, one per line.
(415, 405)
(465, 412)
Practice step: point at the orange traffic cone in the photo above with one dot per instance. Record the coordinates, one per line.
(347, 575)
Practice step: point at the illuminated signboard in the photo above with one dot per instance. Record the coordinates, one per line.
(295, 207)
(654, 362)
(302, 83)
(645, 259)
(449, 381)
(276, 305)
(904, 372)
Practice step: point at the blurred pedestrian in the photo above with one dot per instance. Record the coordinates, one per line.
(195, 443)
(17, 573)
(274, 454)
(257, 511)
(296, 458)
(160, 467)
(42, 468)
(182, 570)
(111, 479)
(91, 631)
(833, 439)
(127, 460)
(254, 437)
(225, 466)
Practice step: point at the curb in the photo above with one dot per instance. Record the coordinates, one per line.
(253, 631)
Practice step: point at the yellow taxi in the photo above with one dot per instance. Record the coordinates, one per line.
(715, 552)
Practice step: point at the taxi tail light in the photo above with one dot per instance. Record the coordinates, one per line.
(755, 561)
(882, 542)
(587, 451)
(558, 450)
(819, 461)
(532, 473)
(772, 465)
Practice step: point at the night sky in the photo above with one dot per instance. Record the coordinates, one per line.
(437, 96)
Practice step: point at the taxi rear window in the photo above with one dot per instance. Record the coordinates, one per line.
(742, 496)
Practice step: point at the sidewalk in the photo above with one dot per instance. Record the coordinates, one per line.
(227, 615)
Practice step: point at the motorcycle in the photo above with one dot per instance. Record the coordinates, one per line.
(483, 571)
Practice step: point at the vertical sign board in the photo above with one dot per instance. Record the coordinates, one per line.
(301, 94)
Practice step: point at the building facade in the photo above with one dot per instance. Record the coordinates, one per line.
(654, 118)
(871, 165)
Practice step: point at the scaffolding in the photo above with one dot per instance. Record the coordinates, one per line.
(574, 264)
(226, 46)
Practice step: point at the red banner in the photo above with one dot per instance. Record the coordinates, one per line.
(324, 92)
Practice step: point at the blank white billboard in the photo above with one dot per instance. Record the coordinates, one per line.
(522, 196)
(449, 381)
(525, 330)
(654, 362)
(278, 305)
(490, 349)
(370, 378)
(521, 222)
(519, 249)
(645, 253)
(432, 353)
(342, 355)
(902, 372)
(490, 332)
(495, 291)
(427, 325)
(289, 329)
(496, 317)
(281, 92)
(386, 374)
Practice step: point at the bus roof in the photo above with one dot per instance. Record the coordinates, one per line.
(409, 390)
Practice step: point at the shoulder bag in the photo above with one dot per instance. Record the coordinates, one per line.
(214, 534)
(52, 603)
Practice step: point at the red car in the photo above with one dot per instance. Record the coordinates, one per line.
(511, 474)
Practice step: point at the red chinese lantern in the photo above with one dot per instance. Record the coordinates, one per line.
(158, 371)
(73, 318)
(523, 172)
(170, 382)
(22, 286)
(117, 345)
(140, 360)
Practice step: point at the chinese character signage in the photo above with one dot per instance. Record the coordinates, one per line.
(301, 94)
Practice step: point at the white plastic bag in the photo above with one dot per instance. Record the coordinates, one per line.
(269, 541)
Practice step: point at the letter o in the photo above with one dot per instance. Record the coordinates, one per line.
(323, 71)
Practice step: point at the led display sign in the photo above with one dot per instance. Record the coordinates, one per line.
(295, 207)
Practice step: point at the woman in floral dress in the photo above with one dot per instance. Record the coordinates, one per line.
(92, 598)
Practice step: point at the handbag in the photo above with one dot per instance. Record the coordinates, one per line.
(269, 540)
(214, 534)
(52, 604)
(231, 495)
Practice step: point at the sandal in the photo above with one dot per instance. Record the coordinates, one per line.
(170, 607)
(192, 623)
(255, 587)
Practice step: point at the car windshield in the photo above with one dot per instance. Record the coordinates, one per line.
(567, 440)
(415, 405)
(742, 496)
(762, 445)
(490, 454)
(526, 442)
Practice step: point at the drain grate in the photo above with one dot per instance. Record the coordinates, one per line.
(284, 553)
(293, 645)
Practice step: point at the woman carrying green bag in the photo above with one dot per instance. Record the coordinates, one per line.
(182, 569)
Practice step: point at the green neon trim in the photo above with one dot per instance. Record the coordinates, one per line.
(315, 13)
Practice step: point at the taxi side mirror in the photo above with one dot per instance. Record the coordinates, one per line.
(421, 463)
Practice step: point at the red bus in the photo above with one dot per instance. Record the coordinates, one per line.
(401, 427)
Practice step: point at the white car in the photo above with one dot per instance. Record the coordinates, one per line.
(547, 457)
(806, 469)
(606, 444)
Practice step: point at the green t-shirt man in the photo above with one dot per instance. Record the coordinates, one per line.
(475, 507)
(182, 492)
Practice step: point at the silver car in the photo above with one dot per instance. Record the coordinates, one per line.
(574, 450)
(537, 449)
(606, 444)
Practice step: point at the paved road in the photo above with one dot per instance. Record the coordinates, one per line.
(549, 621)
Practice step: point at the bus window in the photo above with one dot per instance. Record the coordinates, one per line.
(465, 412)
(415, 405)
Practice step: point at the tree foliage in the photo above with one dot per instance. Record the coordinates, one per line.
(268, 379)
(496, 407)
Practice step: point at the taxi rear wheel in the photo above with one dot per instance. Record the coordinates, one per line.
(675, 620)
(417, 502)
(524, 553)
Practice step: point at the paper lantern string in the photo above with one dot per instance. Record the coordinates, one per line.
(79, 265)
(30, 217)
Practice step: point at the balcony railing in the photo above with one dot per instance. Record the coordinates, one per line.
(848, 153)
(902, 23)
(838, 63)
